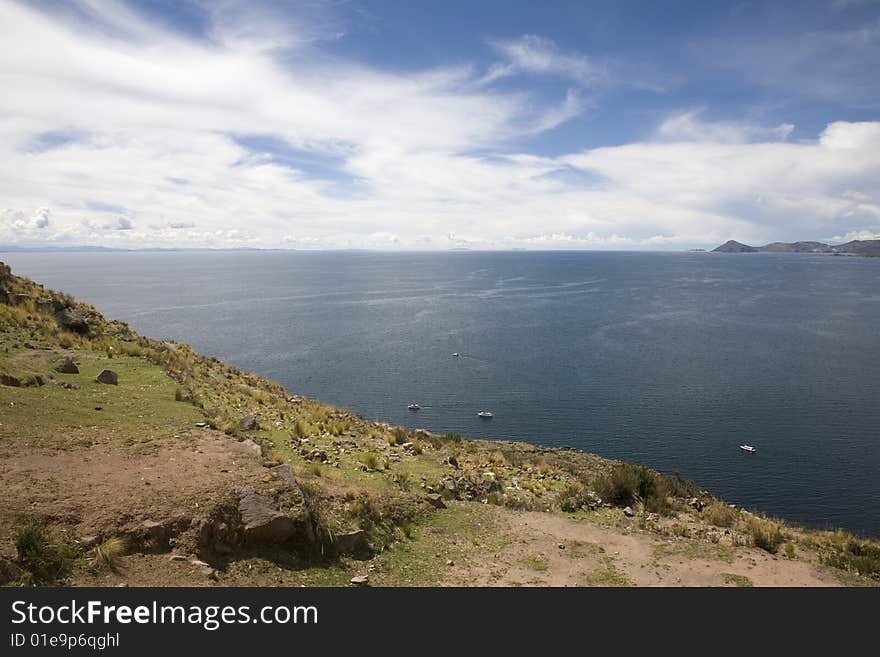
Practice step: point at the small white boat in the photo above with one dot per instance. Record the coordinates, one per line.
(456, 354)
(414, 407)
(484, 414)
(748, 448)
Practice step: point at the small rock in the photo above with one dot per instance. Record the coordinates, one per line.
(199, 562)
(628, 512)
(361, 580)
(177, 557)
(107, 376)
(251, 445)
(248, 423)
(450, 562)
(435, 500)
(201, 425)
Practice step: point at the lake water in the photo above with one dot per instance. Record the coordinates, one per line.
(667, 359)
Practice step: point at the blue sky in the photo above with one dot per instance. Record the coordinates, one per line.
(417, 125)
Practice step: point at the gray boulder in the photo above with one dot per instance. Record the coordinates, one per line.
(285, 474)
(248, 423)
(263, 521)
(435, 500)
(107, 376)
(628, 512)
(254, 447)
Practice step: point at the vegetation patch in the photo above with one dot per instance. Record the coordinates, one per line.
(535, 562)
(43, 556)
(740, 581)
(606, 575)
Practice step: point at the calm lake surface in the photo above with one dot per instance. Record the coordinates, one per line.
(667, 359)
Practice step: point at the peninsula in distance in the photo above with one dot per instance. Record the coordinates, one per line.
(868, 248)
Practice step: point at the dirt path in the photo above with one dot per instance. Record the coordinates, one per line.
(551, 550)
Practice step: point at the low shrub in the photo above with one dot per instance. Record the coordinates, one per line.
(625, 484)
(854, 555)
(720, 514)
(403, 480)
(105, 555)
(44, 558)
(765, 534)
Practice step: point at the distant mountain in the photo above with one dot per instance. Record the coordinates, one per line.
(870, 248)
(732, 246)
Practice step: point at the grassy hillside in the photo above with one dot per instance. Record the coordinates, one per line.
(189, 471)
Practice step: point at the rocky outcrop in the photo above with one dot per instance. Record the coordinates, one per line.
(469, 487)
(73, 320)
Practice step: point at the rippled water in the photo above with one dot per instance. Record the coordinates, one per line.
(671, 360)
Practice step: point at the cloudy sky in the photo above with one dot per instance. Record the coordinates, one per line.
(434, 125)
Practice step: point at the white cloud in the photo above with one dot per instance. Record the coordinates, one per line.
(153, 123)
(535, 54)
(858, 235)
(689, 126)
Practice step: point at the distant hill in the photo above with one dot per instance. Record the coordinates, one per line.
(870, 248)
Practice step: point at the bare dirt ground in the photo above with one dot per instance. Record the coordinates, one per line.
(550, 550)
(110, 485)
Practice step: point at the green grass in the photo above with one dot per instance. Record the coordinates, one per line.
(535, 562)
(142, 404)
(740, 581)
(606, 575)
(459, 533)
(694, 549)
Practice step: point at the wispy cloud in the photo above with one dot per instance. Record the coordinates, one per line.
(538, 55)
(689, 126)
